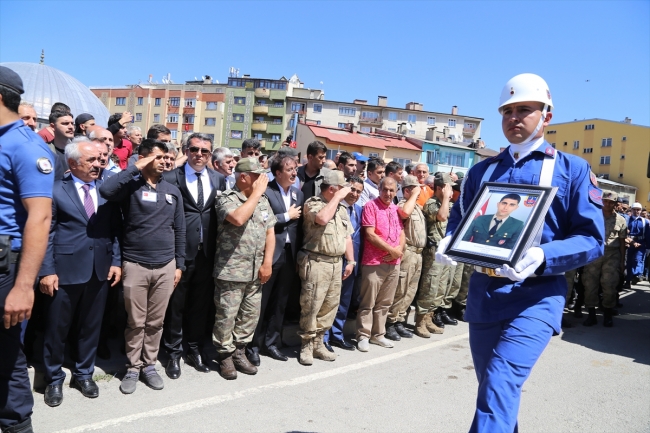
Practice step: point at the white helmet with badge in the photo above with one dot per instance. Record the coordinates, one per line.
(526, 87)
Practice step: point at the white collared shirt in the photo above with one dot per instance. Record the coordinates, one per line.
(370, 192)
(493, 222)
(78, 184)
(286, 197)
(192, 182)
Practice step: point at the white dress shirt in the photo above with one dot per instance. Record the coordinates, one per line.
(286, 197)
(192, 182)
(78, 184)
(370, 192)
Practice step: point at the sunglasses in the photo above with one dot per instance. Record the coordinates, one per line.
(194, 149)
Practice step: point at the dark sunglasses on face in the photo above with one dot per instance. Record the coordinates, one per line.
(197, 149)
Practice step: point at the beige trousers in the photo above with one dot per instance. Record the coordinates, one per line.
(378, 285)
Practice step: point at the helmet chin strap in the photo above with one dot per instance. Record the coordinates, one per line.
(534, 133)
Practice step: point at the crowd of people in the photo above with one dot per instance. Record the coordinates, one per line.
(197, 238)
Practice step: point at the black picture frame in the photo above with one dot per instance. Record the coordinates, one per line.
(475, 242)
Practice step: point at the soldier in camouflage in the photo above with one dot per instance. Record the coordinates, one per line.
(327, 237)
(435, 277)
(245, 243)
(604, 271)
(415, 230)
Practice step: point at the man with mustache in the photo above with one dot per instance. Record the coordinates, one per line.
(77, 269)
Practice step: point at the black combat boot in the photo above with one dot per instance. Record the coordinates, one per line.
(608, 322)
(591, 320)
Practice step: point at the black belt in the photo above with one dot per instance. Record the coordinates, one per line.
(152, 265)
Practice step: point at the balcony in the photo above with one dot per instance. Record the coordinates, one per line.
(469, 131)
(371, 120)
(262, 93)
(259, 126)
(261, 109)
(263, 143)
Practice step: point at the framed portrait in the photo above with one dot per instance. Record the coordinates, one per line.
(503, 221)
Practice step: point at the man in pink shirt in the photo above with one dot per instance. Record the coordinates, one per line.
(383, 248)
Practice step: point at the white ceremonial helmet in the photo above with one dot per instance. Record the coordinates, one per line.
(526, 87)
(637, 205)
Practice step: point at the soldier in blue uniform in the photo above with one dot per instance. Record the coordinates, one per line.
(26, 179)
(639, 230)
(498, 230)
(513, 315)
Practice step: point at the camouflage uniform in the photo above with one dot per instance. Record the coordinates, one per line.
(461, 296)
(604, 271)
(239, 256)
(320, 267)
(415, 231)
(435, 277)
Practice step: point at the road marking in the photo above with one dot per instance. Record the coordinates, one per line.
(211, 401)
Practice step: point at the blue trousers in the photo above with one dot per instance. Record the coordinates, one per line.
(635, 261)
(347, 287)
(504, 354)
(16, 400)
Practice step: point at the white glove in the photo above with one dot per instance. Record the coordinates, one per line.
(525, 267)
(441, 257)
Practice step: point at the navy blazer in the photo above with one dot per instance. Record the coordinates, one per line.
(196, 218)
(78, 245)
(284, 226)
(356, 226)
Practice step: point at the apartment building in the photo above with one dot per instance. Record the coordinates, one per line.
(617, 151)
(196, 106)
(411, 121)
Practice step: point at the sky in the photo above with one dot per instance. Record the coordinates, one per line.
(594, 55)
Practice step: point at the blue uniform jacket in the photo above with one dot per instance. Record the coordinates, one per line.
(573, 235)
(79, 245)
(639, 231)
(356, 236)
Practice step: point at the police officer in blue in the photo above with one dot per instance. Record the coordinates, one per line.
(637, 239)
(514, 311)
(26, 179)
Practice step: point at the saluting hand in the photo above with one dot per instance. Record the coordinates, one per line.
(259, 186)
(143, 162)
(294, 212)
(342, 193)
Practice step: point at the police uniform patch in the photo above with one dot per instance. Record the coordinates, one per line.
(169, 198)
(593, 178)
(596, 195)
(550, 151)
(44, 165)
(501, 242)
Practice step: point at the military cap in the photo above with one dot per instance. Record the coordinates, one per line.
(11, 80)
(250, 165)
(334, 177)
(235, 152)
(610, 195)
(443, 178)
(410, 181)
(460, 174)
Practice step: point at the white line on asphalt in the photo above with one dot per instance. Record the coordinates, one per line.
(211, 401)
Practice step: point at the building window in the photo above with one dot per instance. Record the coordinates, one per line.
(552, 144)
(365, 129)
(172, 118)
(431, 120)
(211, 105)
(188, 118)
(240, 100)
(624, 138)
(236, 134)
(402, 161)
(174, 134)
(373, 155)
(550, 132)
(369, 115)
(292, 122)
(622, 156)
(156, 118)
(392, 129)
(452, 123)
(297, 106)
(318, 108)
(318, 122)
(565, 143)
(455, 159)
(157, 102)
(604, 160)
(210, 121)
(138, 117)
(607, 142)
(190, 103)
(258, 136)
(278, 104)
(576, 144)
(275, 137)
(432, 156)
(120, 101)
(331, 154)
(347, 111)
(238, 118)
(392, 115)
(174, 102)
(278, 121)
(589, 127)
(587, 150)
(620, 175)
(342, 125)
(140, 100)
(412, 118)
(412, 131)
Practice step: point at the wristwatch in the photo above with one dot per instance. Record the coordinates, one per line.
(353, 263)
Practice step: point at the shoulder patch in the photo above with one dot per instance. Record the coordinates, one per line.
(593, 178)
(550, 151)
(44, 165)
(596, 195)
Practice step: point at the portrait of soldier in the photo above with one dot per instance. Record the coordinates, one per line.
(498, 230)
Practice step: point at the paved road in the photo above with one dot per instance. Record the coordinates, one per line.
(588, 380)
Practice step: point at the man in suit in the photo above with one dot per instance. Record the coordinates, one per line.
(188, 307)
(498, 230)
(83, 254)
(286, 202)
(335, 337)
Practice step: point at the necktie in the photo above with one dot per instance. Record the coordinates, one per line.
(494, 229)
(199, 200)
(88, 201)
